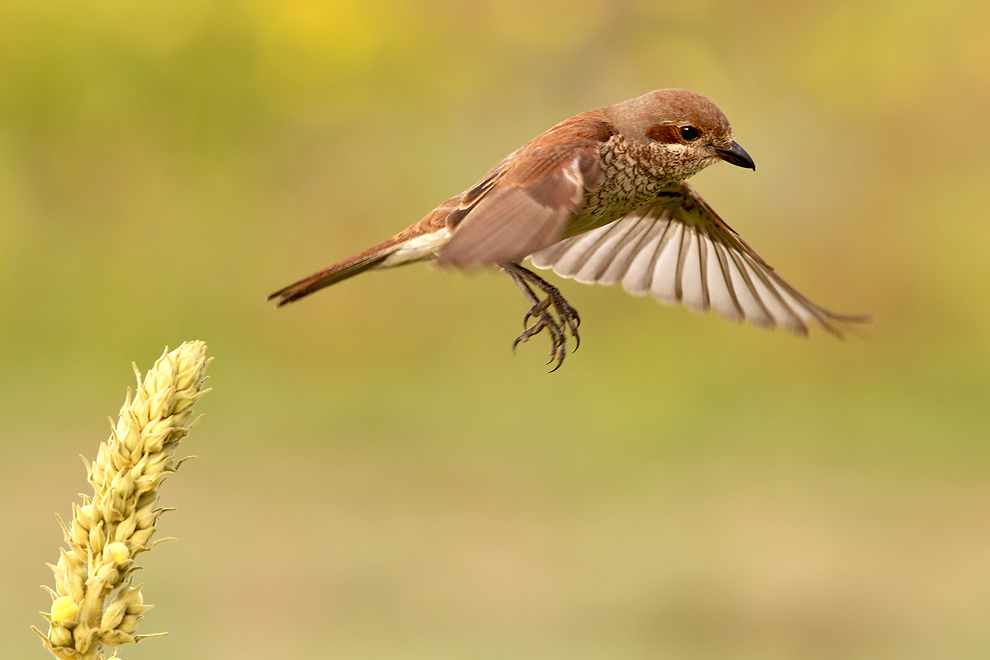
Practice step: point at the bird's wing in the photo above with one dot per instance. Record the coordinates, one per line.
(680, 251)
(523, 205)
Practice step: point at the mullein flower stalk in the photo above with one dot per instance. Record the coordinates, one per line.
(95, 604)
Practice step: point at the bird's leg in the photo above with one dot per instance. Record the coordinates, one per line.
(539, 311)
(567, 317)
(565, 312)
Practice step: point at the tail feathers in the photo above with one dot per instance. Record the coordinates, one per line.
(336, 273)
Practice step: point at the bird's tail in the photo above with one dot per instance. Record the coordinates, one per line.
(340, 271)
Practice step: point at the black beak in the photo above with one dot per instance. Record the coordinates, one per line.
(736, 155)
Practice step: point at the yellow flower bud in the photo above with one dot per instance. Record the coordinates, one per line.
(117, 552)
(146, 516)
(125, 528)
(107, 573)
(184, 401)
(158, 405)
(97, 539)
(60, 636)
(129, 623)
(135, 602)
(116, 638)
(131, 435)
(140, 538)
(64, 610)
(113, 614)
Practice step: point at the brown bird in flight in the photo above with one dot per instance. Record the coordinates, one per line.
(601, 198)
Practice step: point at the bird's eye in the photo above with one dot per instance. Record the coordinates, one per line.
(689, 133)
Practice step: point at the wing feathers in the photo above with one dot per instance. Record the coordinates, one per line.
(606, 261)
(524, 203)
(679, 251)
(666, 285)
(513, 221)
(694, 294)
(636, 273)
(720, 288)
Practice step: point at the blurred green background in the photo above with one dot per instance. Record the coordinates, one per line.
(378, 476)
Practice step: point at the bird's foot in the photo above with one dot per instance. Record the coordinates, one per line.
(552, 313)
(544, 320)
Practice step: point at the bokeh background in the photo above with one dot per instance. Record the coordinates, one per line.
(378, 476)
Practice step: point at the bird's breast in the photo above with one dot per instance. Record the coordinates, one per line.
(626, 184)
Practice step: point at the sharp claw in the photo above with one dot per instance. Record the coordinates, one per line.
(536, 310)
(568, 321)
(528, 333)
(554, 350)
(552, 312)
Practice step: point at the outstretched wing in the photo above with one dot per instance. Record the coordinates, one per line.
(680, 251)
(524, 203)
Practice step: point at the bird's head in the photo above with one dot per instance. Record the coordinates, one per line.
(681, 131)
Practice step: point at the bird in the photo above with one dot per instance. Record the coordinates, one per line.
(602, 198)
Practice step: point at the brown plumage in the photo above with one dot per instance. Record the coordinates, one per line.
(600, 197)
